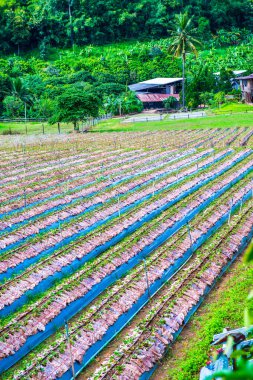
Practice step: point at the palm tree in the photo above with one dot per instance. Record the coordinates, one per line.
(183, 42)
(18, 90)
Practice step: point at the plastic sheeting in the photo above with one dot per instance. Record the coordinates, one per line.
(79, 304)
(77, 188)
(142, 301)
(26, 263)
(88, 209)
(242, 247)
(77, 263)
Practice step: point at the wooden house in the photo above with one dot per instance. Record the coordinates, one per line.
(246, 84)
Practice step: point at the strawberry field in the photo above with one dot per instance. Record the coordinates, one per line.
(114, 233)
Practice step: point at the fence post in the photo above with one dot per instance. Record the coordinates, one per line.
(70, 350)
(230, 212)
(59, 128)
(118, 203)
(24, 197)
(241, 206)
(43, 129)
(26, 129)
(189, 233)
(146, 275)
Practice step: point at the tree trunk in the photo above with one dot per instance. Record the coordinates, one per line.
(76, 126)
(120, 112)
(183, 84)
(71, 26)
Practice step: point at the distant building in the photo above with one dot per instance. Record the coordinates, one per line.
(234, 81)
(246, 84)
(153, 92)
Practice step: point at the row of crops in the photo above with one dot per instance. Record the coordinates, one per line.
(53, 144)
(108, 233)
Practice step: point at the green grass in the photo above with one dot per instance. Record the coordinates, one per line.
(224, 307)
(233, 108)
(220, 121)
(33, 128)
(115, 125)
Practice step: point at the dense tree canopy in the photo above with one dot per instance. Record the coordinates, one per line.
(43, 23)
(75, 106)
(48, 52)
(105, 73)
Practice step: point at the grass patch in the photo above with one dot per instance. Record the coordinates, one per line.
(220, 121)
(223, 307)
(33, 128)
(115, 125)
(233, 108)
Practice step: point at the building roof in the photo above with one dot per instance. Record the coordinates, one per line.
(239, 72)
(247, 77)
(153, 83)
(235, 72)
(154, 98)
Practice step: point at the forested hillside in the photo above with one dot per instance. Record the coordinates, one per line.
(105, 73)
(40, 23)
(55, 51)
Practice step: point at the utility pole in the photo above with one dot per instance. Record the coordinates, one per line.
(70, 351)
(183, 83)
(146, 275)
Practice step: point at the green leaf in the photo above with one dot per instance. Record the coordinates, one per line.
(248, 317)
(250, 296)
(249, 253)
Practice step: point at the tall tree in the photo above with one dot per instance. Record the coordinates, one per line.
(74, 105)
(18, 90)
(183, 41)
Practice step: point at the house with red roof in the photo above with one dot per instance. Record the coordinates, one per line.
(153, 92)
